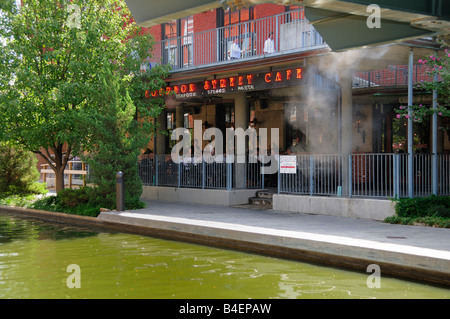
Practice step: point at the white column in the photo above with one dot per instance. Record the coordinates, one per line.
(346, 114)
(345, 82)
(240, 121)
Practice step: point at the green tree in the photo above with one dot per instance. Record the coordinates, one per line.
(18, 172)
(50, 65)
(439, 65)
(115, 141)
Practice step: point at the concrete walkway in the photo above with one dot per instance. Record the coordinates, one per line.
(415, 252)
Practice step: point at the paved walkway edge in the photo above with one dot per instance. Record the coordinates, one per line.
(421, 264)
(415, 263)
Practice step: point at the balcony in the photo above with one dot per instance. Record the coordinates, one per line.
(393, 76)
(292, 34)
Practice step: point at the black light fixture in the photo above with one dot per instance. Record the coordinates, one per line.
(206, 124)
(358, 120)
(253, 122)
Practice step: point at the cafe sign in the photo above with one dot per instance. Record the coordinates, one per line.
(233, 84)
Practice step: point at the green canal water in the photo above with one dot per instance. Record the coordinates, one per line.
(35, 259)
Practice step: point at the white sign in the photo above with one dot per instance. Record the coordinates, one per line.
(288, 164)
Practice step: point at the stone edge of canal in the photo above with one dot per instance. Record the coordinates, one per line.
(401, 271)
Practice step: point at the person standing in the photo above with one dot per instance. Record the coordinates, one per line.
(235, 50)
(269, 45)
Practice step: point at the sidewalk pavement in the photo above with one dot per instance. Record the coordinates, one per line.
(414, 252)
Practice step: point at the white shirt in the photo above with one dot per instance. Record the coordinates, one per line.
(269, 46)
(235, 51)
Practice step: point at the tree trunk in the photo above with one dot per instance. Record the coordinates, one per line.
(59, 179)
(57, 161)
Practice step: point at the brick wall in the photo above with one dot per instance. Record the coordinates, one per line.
(205, 21)
(267, 10)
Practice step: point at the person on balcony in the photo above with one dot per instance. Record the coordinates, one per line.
(235, 50)
(269, 46)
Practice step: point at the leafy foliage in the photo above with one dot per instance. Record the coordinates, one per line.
(69, 201)
(439, 65)
(50, 66)
(115, 141)
(422, 206)
(431, 211)
(18, 171)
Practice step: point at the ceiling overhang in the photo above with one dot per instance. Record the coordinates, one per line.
(343, 31)
(342, 23)
(153, 12)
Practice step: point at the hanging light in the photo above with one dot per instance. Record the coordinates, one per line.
(358, 120)
(253, 122)
(206, 124)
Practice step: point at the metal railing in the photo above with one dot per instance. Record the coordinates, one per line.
(394, 75)
(356, 175)
(292, 33)
(315, 175)
(199, 172)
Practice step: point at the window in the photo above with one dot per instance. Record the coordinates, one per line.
(238, 16)
(170, 126)
(170, 120)
(229, 115)
(186, 32)
(236, 25)
(188, 121)
(178, 36)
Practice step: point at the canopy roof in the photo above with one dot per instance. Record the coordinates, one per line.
(342, 23)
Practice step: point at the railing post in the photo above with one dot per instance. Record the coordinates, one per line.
(277, 33)
(350, 177)
(311, 175)
(120, 192)
(229, 176)
(261, 170)
(179, 174)
(156, 170)
(203, 173)
(278, 176)
(396, 175)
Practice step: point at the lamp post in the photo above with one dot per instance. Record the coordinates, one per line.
(120, 192)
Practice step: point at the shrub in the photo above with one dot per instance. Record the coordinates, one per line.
(438, 211)
(70, 201)
(18, 171)
(423, 206)
(73, 197)
(430, 211)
